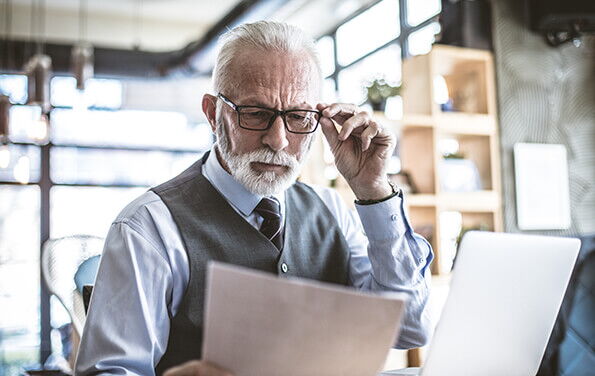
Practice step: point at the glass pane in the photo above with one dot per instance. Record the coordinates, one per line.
(385, 63)
(329, 93)
(19, 163)
(104, 167)
(420, 42)
(160, 129)
(26, 124)
(87, 210)
(15, 86)
(99, 93)
(19, 277)
(371, 29)
(420, 10)
(326, 54)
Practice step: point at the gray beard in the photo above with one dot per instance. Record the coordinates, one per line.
(265, 183)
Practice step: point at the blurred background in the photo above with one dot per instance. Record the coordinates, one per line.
(101, 100)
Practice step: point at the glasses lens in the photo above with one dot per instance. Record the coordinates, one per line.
(255, 118)
(302, 121)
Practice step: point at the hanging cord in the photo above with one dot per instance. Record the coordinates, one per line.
(7, 5)
(83, 21)
(38, 24)
(41, 40)
(138, 23)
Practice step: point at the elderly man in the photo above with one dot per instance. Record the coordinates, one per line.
(240, 204)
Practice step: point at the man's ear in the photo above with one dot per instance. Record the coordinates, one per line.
(209, 107)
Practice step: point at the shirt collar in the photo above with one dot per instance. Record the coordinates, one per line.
(233, 191)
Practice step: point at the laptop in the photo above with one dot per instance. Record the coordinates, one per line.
(505, 294)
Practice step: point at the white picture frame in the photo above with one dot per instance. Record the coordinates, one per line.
(542, 186)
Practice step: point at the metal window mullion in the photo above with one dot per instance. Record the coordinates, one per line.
(45, 186)
(404, 35)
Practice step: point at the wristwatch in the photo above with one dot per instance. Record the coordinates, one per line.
(396, 192)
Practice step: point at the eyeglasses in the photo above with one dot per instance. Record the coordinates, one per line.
(258, 118)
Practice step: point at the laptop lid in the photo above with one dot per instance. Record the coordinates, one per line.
(504, 297)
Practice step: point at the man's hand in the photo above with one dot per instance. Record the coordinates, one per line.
(361, 148)
(196, 368)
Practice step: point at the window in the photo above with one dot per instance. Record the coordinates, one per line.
(19, 277)
(127, 128)
(368, 31)
(326, 54)
(15, 86)
(100, 159)
(420, 42)
(372, 44)
(99, 93)
(385, 63)
(419, 11)
(87, 210)
(19, 163)
(71, 165)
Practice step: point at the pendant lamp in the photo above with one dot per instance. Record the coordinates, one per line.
(4, 117)
(39, 70)
(82, 64)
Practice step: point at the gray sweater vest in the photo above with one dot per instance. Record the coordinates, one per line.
(314, 247)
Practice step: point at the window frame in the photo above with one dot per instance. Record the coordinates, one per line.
(402, 40)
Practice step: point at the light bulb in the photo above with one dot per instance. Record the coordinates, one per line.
(38, 129)
(4, 156)
(440, 90)
(21, 170)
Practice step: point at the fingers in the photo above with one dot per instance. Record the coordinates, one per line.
(196, 368)
(368, 135)
(339, 112)
(359, 120)
(353, 123)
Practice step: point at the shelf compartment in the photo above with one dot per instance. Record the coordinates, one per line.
(478, 149)
(417, 157)
(468, 74)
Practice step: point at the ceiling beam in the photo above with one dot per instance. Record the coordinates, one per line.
(197, 58)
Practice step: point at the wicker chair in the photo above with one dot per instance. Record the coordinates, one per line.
(62, 261)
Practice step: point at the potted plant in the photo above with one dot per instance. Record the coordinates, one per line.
(379, 91)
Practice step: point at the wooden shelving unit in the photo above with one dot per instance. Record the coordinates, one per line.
(472, 122)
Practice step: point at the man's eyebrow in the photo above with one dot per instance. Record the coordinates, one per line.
(251, 101)
(255, 102)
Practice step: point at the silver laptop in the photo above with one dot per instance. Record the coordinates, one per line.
(504, 297)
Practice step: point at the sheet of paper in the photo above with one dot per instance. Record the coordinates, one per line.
(257, 324)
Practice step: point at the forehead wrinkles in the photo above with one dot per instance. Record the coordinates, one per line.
(286, 76)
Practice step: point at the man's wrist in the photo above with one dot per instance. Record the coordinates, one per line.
(394, 191)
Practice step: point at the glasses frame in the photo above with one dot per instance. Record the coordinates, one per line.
(282, 113)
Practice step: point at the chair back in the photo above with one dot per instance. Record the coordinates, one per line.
(66, 261)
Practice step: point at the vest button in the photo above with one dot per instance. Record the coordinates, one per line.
(284, 267)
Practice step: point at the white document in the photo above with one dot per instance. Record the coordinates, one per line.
(542, 192)
(257, 324)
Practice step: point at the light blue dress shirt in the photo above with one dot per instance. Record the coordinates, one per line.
(144, 272)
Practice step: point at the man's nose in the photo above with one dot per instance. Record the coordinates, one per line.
(276, 136)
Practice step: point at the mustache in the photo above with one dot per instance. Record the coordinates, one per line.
(266, 155)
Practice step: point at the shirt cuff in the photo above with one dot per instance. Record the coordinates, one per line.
(383, 220)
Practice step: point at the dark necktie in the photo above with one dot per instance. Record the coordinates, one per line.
(270, 210)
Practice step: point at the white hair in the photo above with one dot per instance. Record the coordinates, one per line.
(264, 36)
